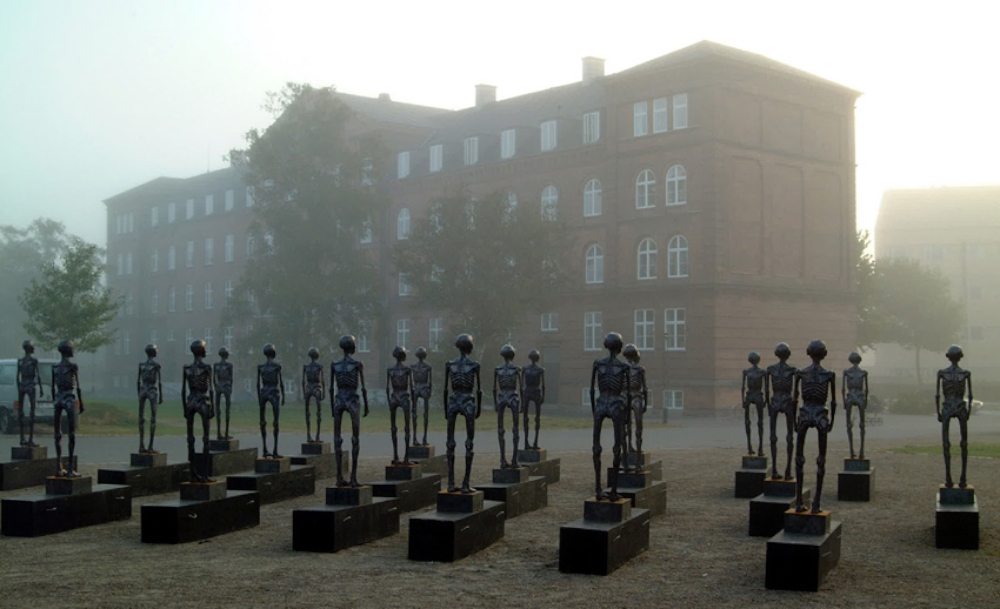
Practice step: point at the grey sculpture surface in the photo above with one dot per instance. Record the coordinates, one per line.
(399, 394)
(197, 397)
(313, 388)
(270, 389)
(28, 376)
(953, 381)
(461, 377)
(611, 376)
(752, 393)
(423, 376)
(854, 389)
(222, 375)
(347, 375)
(149, 386)
(639, 398)
(533, 390)
(778, 385)
(816, 384)
(66, 395)
(507, 394)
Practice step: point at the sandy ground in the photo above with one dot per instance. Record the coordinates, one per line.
(699, 555)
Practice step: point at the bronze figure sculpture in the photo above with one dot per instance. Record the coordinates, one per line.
(347, 374)
(461, 375)
(855, 393)
(399, 394)
(953, 381)
(778, 385)
(422, 387)
(66, 379)
(508, 378)
(196, 395)
(752, 392)
(27, 377)
(222, 375)
(269, 388)
(533, 390)
(149, 386)
(611, 376)
(816, 385)
(313, 388)
(637, 403)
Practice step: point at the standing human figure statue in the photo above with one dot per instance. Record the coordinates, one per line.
(347, 374)
(197, 397)
(461, 376)
(66, 380)
(953, 382)
(270, 388)
(854, 390)
(27, 377)
(611, 376)
(399, 394)
(533, 390)
(752, 392)
(778, 385)
(639, 397)
(507, 377)
(422, 386)
(313, 388)
(816, 384)
(222, 374)
(149, 386)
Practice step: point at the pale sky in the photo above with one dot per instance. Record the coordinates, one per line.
(98, 96)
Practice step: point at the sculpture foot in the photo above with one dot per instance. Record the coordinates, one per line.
(467, 489)
(962, 483)
(276, 456)
(219, 437)
(32, 444)
(861, 455)
(613, 496)
(948, 483)
(852, 455)
(503, 464)
(815, 509)
(515, 464)
(142, 449)
(406, 461)
(801, 508)
(395, 460)
(267, 455)
(774, 475)
(341, 482)
(355, 483)
(453, 489)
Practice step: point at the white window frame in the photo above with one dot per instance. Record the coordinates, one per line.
(436, 158)
(640, 119)
(154, 216)
(645, 328)
(405, 289)
(645, 189)
(592, 324)
(189, 209)
(154, 301)
(229, 248)
(209, 205)
(230, 289)
(367, 234)
(676, 186)
(471, 150)
(128, 263)
(230, 200)
(680, 114)
(171, 258)
(249, 198)
(660, 123)
(550, 202)
(673, 397)
(227, 337)
(645, 262)
(171, 213)
(678, 261)
(189, 255)
(508, 143)
(592, 127)
(550, 322)
(402, 164)
(594, 264)
(171, 299)
(435, 332)
(209, 296)
(403, 224)
(549, 135)
(209, 251)
(675, 329)
(402, 332)
(592, 198)
(154, 261)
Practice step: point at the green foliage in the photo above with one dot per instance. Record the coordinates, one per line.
(68, 302)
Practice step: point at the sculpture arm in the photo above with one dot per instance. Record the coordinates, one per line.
(258, 383)
(364, 390)
(968, 380)
(494, 386)
(183, 390)
(865, 379)
(593, 378)
(833, 398)
(767, 389)
(303, 382)
(281, 387)
(479, 394)
(322, 384)
(41, 388)
(159, 384)
(79, 394)
(937, 395)
(447, 373)
(138, 381)
(743, 389)
(645, 392)
(211, 392)
(542, 378)
(387, 383)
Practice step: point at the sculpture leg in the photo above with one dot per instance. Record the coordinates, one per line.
(820, 469)
(598, 420)
(263, 429)
(450, 451)
(426, 415)
(617, 452)
(406, 433)
(538, 418)
(355, 445)
(218, 409)
(338, 444)
(500, 436)
(393, 429)
(790, 422)
(746, 424)
(319, 417)
(638, 439)
(142, 424)
(963, 427)
(800, 461)
(470, 435)
(227, 416)
(850, 429)
(861, 426)
(760, 430)
(627, 432)
(946, 446)
(190, 441)
(206, 428)
(152, 424)
(517, 440)
(308, 420)
(774, 444)
(31, 424)
(71, 421)
(415, 419)
(275, 409)
(58, 436)
(20, 417)
(527, 444)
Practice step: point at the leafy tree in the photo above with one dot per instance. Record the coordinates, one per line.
(486, 263)
(314, 190)
(68, 301)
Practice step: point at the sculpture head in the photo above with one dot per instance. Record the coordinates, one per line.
(28, 346)
(854, 358)
(399, 353)
(65, 348)
(631, 353)
(224, 353)
(533, 355)
(269, 351)
(613, 343)
(816, 350)
(955, 354)
(782, 351)
(198, 348)
(348, 344)
(464, 344)
(151, 350)
(313, 353)
(507, 352)
(754, 358)
(421, 353)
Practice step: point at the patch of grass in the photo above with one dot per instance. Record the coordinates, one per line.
(976, 449)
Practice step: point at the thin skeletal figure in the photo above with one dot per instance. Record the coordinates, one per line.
(399, 394)
(222, 375)
(953, 381)
(66, 379)
(313, 388)
(611, 376)
(778, 386)
(149, 386)
(197, 397)
(269, 388)
(347, 375)
(533, 390)
(816, 384)
(507, 377)
(461, 376)
(637, 403)
(752, 392)
(854, 391)
(422, 389)
(28, 375)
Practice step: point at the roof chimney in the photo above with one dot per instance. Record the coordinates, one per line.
(485, 94)
(593, 67)
(384, 97)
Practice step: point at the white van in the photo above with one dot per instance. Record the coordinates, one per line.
(44, 412)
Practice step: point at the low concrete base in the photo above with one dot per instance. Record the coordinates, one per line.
(183, 521)
(599, 548)
(316, 447)
(956, 523)
(520, 497)
(420, 452)
(549, 469)
(223, 463)
(652, 498)
(412, 494)
(531, 455)
(28, 453)
(767, 513)
(298, 480)
(855, 485)
(334, 527)
(22, 473)
(147, 459)
(36, 515)
(223, 445)
(434, 464)
(147, 481)
(450, 536)
(749, 483)
(69, 485)
(801, 562)
(325, 464)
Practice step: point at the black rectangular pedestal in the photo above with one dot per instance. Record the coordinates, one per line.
(297, 481)
(450, 536)
(767, 513)
(36, 515)
(599, 548)
(801, 562)
(147, 481)
(223, 463)
(25, 473)
(181, 521)
(955, 525)
(519, 498)
(434, 464)
(854, 485)
(652, 497)
(749, 483)
(412, 494)
(330, 528)
(325, 464)
(548, 469)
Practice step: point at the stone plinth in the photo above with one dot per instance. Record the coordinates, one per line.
(148, 459)
(68, 485)
(28, 453)
(420, 452)
(223, 463)
(855, 484)
(36, 515)
(412, 494)
(518, 497)
(449, 536)
(315, 448)
(633, 478)
(531, 455)
(148, 480)
(510, 475)
(599, 548)
(203, 491)
(223, 445)
(271, 465)
(652, 497)
(413, 471)
(956, 523)
(800, 556)
(464, 503)
(183, 521)
(767, 512)
(349, 495)
(325, 464)
(857, 465)
(548, 469)
(296, 481)
(331, 528)
(23, 473)
(641, 460)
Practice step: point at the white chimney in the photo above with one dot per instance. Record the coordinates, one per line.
(485, 94)
(593, 67)
(384, 97)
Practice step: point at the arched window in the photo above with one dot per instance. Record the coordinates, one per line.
(550, 203)
(677, 257)
(592, 198)
(646, 259)
(510, 210)
(676, 185)
(595, 264)
(645, 189)
(403, 224)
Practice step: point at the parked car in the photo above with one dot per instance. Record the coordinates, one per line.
(44, 411)
(977, 406)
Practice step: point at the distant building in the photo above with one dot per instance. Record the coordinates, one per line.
(711, 193)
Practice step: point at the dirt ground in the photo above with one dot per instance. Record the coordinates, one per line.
(699, 555)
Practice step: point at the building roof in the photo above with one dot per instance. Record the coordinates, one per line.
(172, 186)
(945, 206)
(383, 109)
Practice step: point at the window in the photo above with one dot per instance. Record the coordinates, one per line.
(189, 336)
(404, 285)
(128, 263)
(437, 157)
(508, 143)
(677, 257)
(154, 216)
(171, 258)
(126, 342)
(550, 322)
(121, 264)
(592, 198)
(595, 264)
(646, 260)
(644, 328)
(227, 337)
(230, 245)
(645, 190)
(549, 136)
(367, 173)
(675, 331)
(402, 332)
(189, 256)
(209, 250)
(640, 119)
(673, 399)
(366, 232)
(170, 335)
(250, 245)
(435, 330)
(154, 261)
(592, 331)
(402, 165)
(129, 304)
(471, 150)
(230, 199)
(207, 337)
(681, 111)
(171, 212)
(229, 292)
(209, 205)
(171, 300)
(403, 224)
(209, 296)
(550, 203)
(676, 185)
(118, 351)
(189, 209)
(591, 127)
(249, 199)
(152, 336)
(189, 298)
(364, 328)
(508, 213)
(154, 301)
(659, 115)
